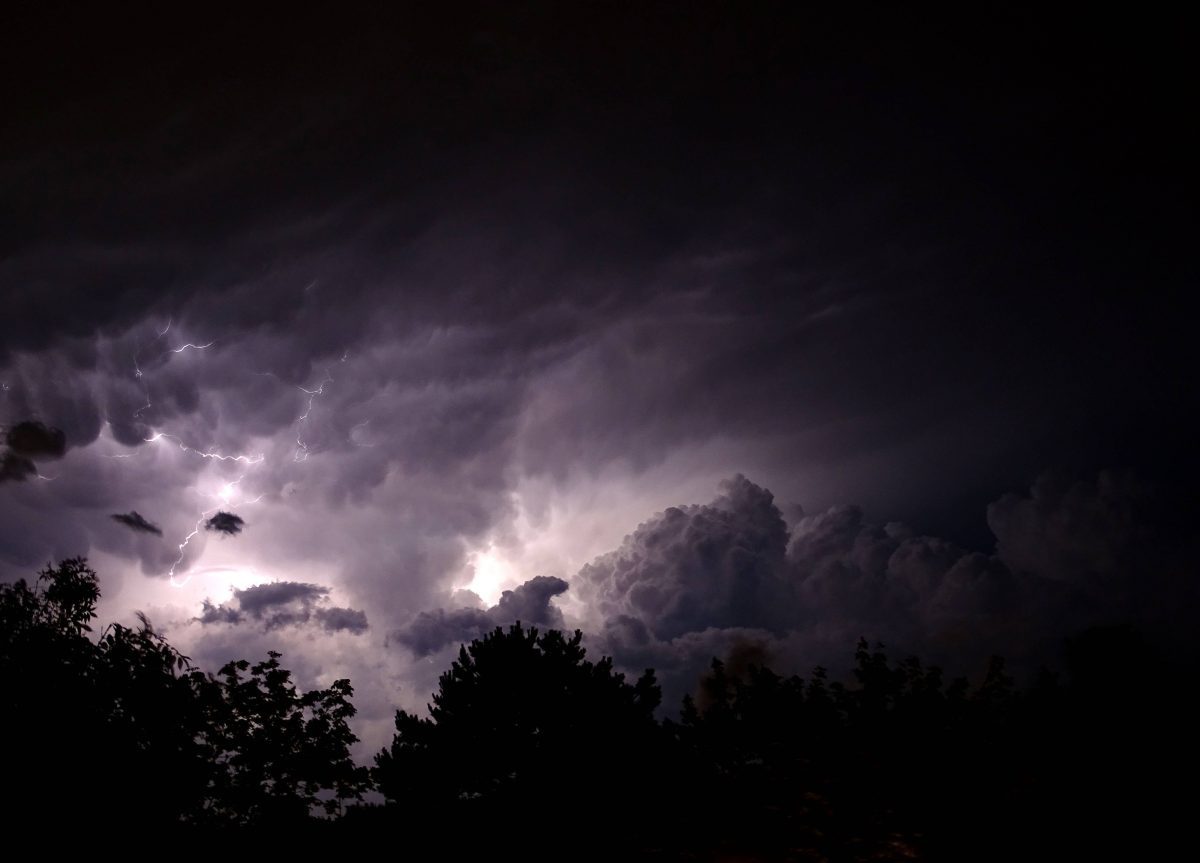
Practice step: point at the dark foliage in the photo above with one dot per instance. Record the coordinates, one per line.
(904, 765)
(100, 729)
(527, 741)
(522, 723)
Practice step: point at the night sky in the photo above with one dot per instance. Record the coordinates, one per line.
(689, 325)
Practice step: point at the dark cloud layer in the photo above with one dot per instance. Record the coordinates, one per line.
(135, 521)
(827, 216)
(285, 603)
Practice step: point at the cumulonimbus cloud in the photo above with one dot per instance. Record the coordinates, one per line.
(693, 581)
(699, 580)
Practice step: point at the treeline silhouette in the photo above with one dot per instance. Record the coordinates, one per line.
(530, 746)
(97, 731)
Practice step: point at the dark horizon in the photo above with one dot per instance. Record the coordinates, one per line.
(894, 761)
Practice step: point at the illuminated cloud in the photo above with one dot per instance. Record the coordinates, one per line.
(529, 603)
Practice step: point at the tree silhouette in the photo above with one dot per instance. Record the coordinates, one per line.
(48, 726)
(842, 771)
(522, 719)
(898, 762)
(96, 729)
(524, 731)
(276, 749)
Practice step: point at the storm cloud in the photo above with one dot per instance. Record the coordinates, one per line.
(720, 565)
(442, 293)
(737, 577)
(697, 581)
(284, 603)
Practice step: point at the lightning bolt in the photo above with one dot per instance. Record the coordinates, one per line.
(225, 494)
(245, 459)
(301, 447)
(224, 498)
(140, 375)
(183, 348)
(183, 548)
(137, 369)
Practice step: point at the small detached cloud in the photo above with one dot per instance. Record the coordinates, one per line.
(529, 603)
(284, 603)
(226, 523)
(34, 439)
(135, 521)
